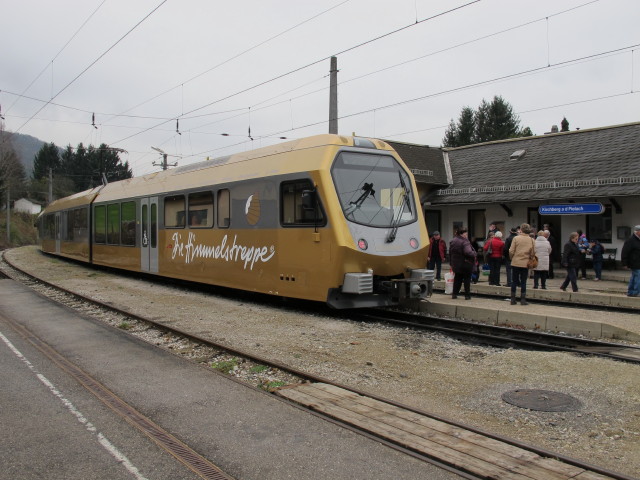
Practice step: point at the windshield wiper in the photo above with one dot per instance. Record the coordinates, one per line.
(367, 188)
(395, 222)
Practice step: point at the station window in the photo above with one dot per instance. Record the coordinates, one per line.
(224, 208)
(100, 224)
(113, 224)
(292, 211)
(600, 227)
(174, 211)
(201, 210)
(128, 223)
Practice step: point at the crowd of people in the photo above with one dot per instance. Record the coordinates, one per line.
(525, 255)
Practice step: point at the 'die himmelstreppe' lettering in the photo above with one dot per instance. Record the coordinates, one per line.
(191, 250)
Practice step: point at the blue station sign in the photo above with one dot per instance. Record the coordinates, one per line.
(571, 209)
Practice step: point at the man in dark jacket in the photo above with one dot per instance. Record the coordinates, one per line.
(437, 252)
(631, 260)
(507, 244)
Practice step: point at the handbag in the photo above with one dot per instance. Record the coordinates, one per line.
(533, 258)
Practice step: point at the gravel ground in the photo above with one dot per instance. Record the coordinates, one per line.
(428, 371)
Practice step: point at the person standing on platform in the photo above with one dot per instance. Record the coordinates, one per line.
(493, 252)
(631, 260)
(437, 253)
(555, 248)
(522, 249)
(571, 258)
(597, 255)
(507, 261)
(462, 258)
(583, 245)
(543, 250)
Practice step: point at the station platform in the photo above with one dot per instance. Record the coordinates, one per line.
(55, 428)
(600, 323)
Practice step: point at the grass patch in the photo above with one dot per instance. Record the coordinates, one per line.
(272, 386)
(125, 326)
(259, 369)
(225, 366)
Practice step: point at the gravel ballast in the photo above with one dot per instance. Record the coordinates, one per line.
(427, 371)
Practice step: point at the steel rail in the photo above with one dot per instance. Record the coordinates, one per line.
(557, 302)
(316, 378)
(507, 337)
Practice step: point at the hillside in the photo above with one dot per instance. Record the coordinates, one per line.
(26, 148)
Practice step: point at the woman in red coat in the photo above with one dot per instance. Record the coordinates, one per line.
(495, 244)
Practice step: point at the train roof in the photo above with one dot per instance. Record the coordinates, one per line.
(262, 162)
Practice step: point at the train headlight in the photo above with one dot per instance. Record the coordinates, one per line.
(362, 244)
(414, 243)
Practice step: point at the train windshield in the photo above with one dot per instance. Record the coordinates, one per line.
(373, 190)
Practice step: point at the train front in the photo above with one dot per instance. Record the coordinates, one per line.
(381, 230)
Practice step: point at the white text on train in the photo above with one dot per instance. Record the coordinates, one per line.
(230, 253)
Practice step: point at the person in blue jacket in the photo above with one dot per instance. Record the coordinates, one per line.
(597, 254)
(583, 246)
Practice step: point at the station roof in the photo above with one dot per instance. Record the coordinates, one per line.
(426, 163)
(578, 164)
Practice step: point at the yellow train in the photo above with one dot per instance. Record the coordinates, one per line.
(326, 218)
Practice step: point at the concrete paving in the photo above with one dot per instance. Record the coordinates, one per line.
(57, 429)
(610, 291)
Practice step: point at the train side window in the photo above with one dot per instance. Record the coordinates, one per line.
(113, 224)
(78, 224)
(66, 225)
(201, 210)
(99, 224)
(174, 211)
(292, 211)
(154, 225)
(224, 208)
(128, 223)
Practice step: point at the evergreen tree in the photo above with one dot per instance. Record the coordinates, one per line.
(86, 165)
(491, 121)
(48, 157)
(451, 135)
(564, 125)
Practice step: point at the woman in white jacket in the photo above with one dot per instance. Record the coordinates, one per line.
(543, 251)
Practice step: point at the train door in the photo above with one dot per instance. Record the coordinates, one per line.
(149, 234)
(57, 231)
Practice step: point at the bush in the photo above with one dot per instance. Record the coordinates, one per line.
(23, 230)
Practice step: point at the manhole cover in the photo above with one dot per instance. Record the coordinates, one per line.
(542, 400)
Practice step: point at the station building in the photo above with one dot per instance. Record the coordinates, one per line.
(585, 180)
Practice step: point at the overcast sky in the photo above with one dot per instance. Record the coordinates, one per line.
(406, 68)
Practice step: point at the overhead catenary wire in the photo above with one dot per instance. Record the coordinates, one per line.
(463, 87)
(342, 83)
(298, 69)
(224, 62)
(93, 63)
(50, 64)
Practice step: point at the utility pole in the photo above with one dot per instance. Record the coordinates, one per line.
(333, 96)
(50, 186)
(8, 215)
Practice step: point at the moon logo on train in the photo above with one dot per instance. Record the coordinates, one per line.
(252, 209)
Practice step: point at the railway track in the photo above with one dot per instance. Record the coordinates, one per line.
(330, 397)
(506, 337)
(568, 303)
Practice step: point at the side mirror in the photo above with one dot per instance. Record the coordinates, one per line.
(309, 200)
